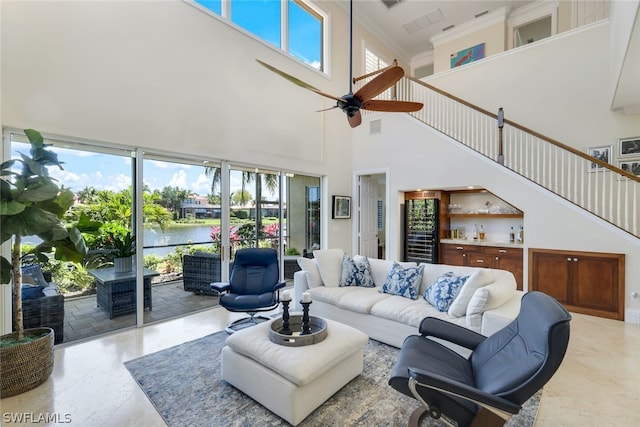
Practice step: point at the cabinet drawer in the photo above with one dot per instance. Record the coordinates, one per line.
(502, 251)
(476, 259)
(452, 247)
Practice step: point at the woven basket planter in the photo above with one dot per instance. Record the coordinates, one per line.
(26, 366)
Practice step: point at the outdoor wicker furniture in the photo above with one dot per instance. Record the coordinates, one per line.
(45, 311)
(199, 271)
(290, 266)
(116, 292)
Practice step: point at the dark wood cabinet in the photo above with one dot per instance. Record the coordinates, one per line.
(510, 259)
(504, 258)
(584, 282)
(453, 254)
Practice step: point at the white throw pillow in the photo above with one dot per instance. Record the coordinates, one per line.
(330, 265)
(487, 298)
(310, 268)
(477, 280)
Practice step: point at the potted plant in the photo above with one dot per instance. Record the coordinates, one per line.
(32, 204)
(124, 247)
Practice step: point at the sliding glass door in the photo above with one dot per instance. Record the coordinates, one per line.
(188, 216)
(181, 228)
(96, 299)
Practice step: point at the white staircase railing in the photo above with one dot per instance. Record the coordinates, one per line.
(596, 186)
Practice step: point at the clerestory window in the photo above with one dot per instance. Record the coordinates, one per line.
(294, 26)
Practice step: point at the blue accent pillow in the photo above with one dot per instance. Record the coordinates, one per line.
(31, 292)
(403, 281)
(444, 290)
(356, 274)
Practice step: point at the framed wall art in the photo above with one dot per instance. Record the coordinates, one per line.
(601, 153)
(629, 146)
(341, 207)
(467, 55)
(631, 166)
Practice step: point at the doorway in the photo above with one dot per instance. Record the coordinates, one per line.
(371, 219)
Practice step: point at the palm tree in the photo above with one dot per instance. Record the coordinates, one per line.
(270, 181)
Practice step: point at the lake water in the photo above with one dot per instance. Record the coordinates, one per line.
(195, 234)
(160, 243)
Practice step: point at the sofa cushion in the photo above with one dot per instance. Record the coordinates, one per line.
(360, 299)
(480, 278)
(32, 274)
(403, 281)
(29, 291)
(407, 311)
(444, 290)
(311, 271)
(356, 273)
(330, 265)
(489, 297)
(328, 294)
(380, 268)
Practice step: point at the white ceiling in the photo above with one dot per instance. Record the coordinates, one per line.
(424, 17)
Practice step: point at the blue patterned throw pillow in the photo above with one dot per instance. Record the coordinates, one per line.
(356, 273)
(403, 281)
(444, 290)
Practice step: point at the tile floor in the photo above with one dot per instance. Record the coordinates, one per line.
(83, 318)
(598, 383)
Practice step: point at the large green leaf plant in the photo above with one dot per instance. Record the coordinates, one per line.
(32, 204)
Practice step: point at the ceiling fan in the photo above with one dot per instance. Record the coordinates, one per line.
(352, 103)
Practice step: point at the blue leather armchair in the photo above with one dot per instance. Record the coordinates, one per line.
(253, 286)
(503, 371)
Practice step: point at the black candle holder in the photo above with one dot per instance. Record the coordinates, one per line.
(306, 327)
(285, 318)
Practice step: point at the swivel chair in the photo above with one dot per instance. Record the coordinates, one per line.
(253, 286)
(503, 371)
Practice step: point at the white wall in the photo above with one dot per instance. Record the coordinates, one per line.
(493, 36)
(559, 86)
(165, 75)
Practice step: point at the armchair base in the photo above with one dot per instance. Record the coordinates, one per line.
(245, 322)
(484, 418)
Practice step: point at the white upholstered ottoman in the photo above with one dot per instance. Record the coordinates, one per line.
(292, 381)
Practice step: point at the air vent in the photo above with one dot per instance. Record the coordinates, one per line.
(448, 27)
(423, 21)
(390, 3)
(478, 15)
(375, 126)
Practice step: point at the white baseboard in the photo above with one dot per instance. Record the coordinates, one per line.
(632, 315)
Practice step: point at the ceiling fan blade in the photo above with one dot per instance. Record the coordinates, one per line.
(392, 106)
(355, 120)
(297, 81)
(326, 109)
(379, 84)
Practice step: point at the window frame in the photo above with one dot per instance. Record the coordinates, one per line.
(312, 9)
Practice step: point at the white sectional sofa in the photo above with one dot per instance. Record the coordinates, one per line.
(486, 302)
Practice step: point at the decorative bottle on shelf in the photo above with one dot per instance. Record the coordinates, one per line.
(512, 236)
(481, 233)
(475, 231)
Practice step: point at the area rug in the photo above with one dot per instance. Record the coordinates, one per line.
(184, 384)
